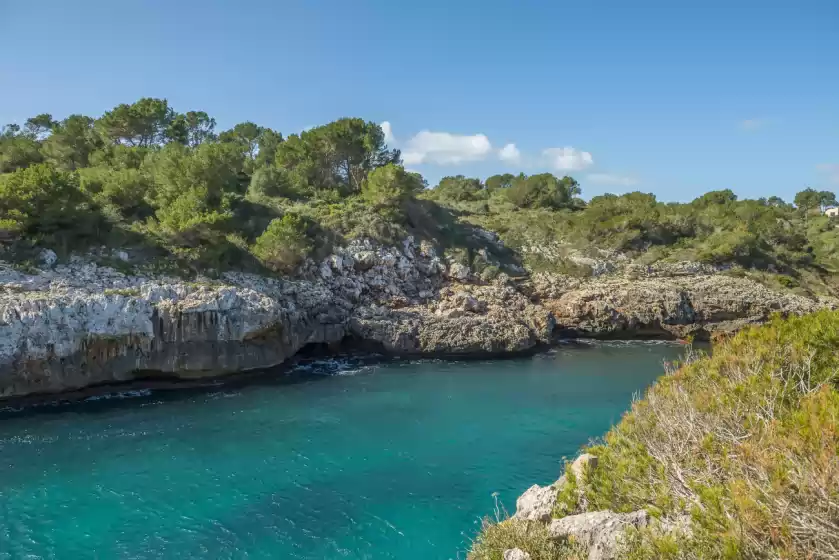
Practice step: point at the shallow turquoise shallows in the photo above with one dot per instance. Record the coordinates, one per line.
(395, 460)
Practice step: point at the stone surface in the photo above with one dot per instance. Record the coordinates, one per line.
(536, 504)
(582, 463)
(516, 554)
(75, 325)
(599, 531)
(667, 306)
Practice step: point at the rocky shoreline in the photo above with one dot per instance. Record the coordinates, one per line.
(74, 326)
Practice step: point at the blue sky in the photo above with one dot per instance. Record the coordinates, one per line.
(670, 97)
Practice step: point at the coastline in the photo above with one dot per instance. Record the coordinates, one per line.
(80, 325)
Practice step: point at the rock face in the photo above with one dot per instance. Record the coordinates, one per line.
(599, 531)
(77, 325)
(73, 326)
(657, 305)
(536, 504)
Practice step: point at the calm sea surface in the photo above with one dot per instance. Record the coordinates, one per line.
(346, 460)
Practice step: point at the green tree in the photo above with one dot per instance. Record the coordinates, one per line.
(143, 123)
(44, 203)
(808, 199)
(715, 198)
(271, 181)
(267, 143)
(125, 190)
(338, 155)
(827, 198)
(213, 169)
(192, 216)
(391, 185)
(118, 156)
(284, 244)
(38, 127)
(192, 128)
(258, 144)
(459, 188)
(245, 134)
(17, 150)
(543, 191)
(71, 143)
(498, 182)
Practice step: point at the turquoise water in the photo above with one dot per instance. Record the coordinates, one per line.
(395, 460)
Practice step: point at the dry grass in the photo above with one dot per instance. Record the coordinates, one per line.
(501, 533)
(745, 442)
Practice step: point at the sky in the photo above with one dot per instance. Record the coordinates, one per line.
(669, 97)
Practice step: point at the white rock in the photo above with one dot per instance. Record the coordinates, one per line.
(516, 554)
(581, 463)
(536, 504)
(599, 531)
(458, 271)
(48, 257)
(325, 271)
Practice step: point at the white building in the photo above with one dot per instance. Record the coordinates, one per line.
(831, 211)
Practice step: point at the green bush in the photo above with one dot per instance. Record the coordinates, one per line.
(44, 203)
(272, 181)
(125, 189)
(284, 244)
(390, 186)
(543, 191)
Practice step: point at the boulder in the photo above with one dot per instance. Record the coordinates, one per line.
(581, 463)
(48, 257)
(459, 272)
(599, 531)
(537, 503)
(516, 554)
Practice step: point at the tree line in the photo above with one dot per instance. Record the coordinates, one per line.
(143, 171)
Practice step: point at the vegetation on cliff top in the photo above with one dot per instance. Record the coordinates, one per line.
(745, 443)
(143, 175)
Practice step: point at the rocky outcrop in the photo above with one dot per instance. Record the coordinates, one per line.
(516, 554)
(77, 325)
(599, 531)
(659, 305)
(538, 502)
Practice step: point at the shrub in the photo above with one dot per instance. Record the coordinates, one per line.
(272, 181)
(44, 203)
(284, 244)
(390, 186)
(125, 189)
(543, 191)
(745, 441)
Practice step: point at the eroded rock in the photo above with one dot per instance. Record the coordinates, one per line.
(599, 531)
(536, 504)
(516, 554)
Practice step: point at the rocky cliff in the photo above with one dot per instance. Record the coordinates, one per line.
(77, 325)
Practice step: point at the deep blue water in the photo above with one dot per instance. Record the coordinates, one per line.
(395, 460)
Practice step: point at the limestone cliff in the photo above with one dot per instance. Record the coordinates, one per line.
(77, 325)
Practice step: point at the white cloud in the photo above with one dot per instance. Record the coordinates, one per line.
(567, 159)
(444, 148)
(832, 171)
(752, 124)
(509, 154)
(388, 131)
(611, 180)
